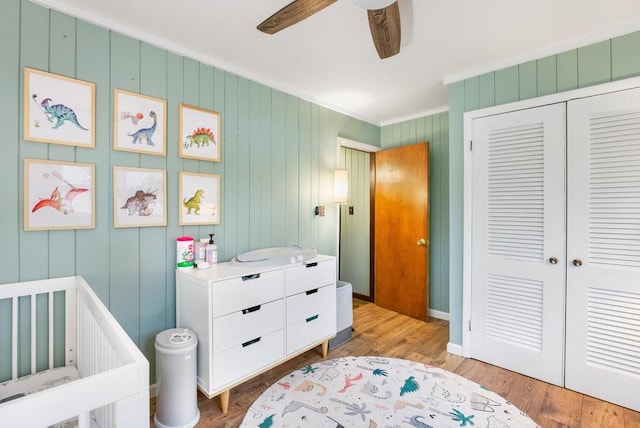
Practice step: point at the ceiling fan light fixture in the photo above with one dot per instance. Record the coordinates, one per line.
(373, 4)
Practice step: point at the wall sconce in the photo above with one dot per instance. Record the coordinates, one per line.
(340, 186)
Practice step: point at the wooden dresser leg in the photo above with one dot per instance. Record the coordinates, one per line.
(325, 349)
(224, 401)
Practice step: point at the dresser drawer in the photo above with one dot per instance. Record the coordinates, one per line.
(240, 361)
(319, 301)
(235, 294)
(241, 326)
(309, 276)
(310, 330)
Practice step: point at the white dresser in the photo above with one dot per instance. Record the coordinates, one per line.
(250, 319)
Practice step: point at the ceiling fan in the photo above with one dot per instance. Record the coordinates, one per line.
(384, 20)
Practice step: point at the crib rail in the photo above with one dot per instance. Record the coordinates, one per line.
(114, 385)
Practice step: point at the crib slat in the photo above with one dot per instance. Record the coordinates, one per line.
(34, 311)
(51, 344)
(14, 338)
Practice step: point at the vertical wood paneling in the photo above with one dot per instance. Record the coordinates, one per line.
(486, 90)
(219, 105)
(594, 64)
(444, 208)
(291, 171)
(92, 45)
(278, 171)
(625, 56)
(305, 207)
(10, 73)
(435, 214)
(266, 168)
(34, 52)
(528, 80)
(231, 159)
(254, 171)
(243, 161)
(315, 167)
(546, 74)
(124, 257)
(567, 69)
(472, 92)
(506, 85)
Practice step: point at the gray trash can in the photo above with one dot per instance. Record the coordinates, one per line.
(344, 313)
(176, 379)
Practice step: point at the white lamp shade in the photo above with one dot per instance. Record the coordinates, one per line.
(340, 186)
(373, 4)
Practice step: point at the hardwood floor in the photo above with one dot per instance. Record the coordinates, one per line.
(378, 331)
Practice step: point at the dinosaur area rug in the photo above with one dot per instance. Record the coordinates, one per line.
(378, 392)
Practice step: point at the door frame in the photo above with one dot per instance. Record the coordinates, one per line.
(367, 148)
(620, 85)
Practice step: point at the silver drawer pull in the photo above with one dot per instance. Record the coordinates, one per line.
(314, 264)
(315, 317)
(251, 309)
(251, 342)
(250, 277)
(315, 290)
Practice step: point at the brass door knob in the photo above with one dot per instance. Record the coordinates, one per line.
(553, 260)
(422, 242)
(577, 262)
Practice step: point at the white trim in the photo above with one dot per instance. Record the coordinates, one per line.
(439, 314)
(455, 349)
(567, 96)
(553, 49)
(419, 115)
(356, 145)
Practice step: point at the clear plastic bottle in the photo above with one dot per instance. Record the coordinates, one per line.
(211, 251)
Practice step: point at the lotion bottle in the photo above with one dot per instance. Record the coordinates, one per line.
(211, 251)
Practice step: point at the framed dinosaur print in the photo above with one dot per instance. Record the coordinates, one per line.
(58, 195)
(199, 133)
(58, 109)
(199, 199)
(139, 197)
(139, 123)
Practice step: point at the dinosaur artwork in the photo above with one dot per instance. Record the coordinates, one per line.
(193, 203)
(200, 137)
(58, 113)
(145, 133)
(64, 204)
(140, 203)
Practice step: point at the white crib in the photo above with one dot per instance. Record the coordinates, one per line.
(112, 388)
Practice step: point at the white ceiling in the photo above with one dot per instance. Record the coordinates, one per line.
(330, 59)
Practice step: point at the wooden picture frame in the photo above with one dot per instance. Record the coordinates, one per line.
(199, 132)
(199, 199)
(139, 197)
(139, 123)
(58, 195)
(58, 109)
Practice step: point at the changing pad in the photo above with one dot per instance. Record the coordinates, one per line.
(274, 256)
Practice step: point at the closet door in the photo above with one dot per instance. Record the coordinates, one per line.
(603, 247)
(518, 241)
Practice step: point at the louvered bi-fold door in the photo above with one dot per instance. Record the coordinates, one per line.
(518, 241)
(603, 247)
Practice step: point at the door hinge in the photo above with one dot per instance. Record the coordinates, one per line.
(469, 325)
(470, 145)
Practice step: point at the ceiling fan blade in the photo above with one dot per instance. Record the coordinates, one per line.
(385, 30)
(291, 14)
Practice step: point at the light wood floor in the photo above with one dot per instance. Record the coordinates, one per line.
(382, 332)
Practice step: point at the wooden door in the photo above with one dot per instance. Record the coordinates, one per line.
(401, 232)
(518, 241)
(603, 247)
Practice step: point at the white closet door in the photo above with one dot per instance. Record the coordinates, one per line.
(603, 224)
(518, 241)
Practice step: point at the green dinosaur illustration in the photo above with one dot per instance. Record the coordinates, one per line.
(201, 137)
(193, 203)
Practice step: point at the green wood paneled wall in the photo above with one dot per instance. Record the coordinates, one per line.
(602, 62)
(355, 233)
(278, 154)
(435, 130)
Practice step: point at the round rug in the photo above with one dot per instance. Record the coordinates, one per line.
(380, 392)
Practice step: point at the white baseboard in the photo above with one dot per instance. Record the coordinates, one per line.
(454, 348)
(439, 314)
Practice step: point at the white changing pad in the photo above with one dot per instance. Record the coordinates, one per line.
(40, 381)
(274, 256)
